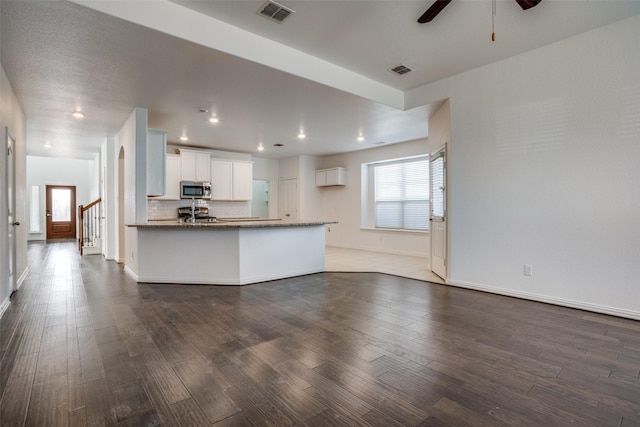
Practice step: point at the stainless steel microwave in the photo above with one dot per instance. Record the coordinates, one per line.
(195, 190)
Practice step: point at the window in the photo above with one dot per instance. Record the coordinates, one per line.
(401, 194)
(34, 210)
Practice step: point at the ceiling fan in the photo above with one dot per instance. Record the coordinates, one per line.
(438, 5)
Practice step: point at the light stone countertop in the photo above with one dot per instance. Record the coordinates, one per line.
(230, 223)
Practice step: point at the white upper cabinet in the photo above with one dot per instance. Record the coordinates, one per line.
(173, 177)
(242, 181)
(221, 180)
(231, 180)
(195, 165)
(156, 167)
(331, 177)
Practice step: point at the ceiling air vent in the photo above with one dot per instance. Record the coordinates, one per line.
(401, 69)
(275, 11)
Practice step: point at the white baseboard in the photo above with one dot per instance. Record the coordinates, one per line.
(4, 306)
(597, 308)
(131, 273)
(91, 250)
(19, 282)
(22, 278)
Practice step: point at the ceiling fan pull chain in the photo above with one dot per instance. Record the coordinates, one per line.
(493, 20)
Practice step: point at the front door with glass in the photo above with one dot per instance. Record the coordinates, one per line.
(61, 218)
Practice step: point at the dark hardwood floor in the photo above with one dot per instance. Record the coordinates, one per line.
(82, 345)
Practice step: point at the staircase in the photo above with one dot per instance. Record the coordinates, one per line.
(90, 233)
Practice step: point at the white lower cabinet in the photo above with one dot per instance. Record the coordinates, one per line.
(173, 177)
(231, 180)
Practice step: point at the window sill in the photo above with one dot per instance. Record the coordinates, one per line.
(394, 230)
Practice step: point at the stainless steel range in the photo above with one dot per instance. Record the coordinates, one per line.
(195, 214)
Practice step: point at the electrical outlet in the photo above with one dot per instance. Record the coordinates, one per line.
(528, 270)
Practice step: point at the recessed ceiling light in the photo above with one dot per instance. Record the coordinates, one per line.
(360, 138)
(78, 114)
(260, 147)
(184, 138)
(278, 145)
(202, 110)
(47, 144)
(302, 135)
(214, 119)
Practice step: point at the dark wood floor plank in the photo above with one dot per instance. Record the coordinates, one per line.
(90, 361)
(48, 405)
(188, 413)
(164, 376)
(129, 400)
(15, 400)
(385, 399)
(206, 391)
(78, 417)
(83, 344)
(256, 398)
(158, 400)
(99, 411)
(52, 361)
(326, 391)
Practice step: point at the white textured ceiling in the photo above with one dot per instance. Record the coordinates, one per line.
(324, 70)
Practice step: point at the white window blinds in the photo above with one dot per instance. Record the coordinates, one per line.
(402, 194)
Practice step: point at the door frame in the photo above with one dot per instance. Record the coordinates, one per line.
(72, 212)
(10, 179)
(444, 271)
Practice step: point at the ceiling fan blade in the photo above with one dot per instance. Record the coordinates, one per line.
(527, 4)
(436, 8)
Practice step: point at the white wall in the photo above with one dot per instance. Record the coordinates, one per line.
(269, 170)
(544, 170)
(110, 198)
(12, 116)
(343, 204)
(311, 197)
(132, 138)
(43, 171)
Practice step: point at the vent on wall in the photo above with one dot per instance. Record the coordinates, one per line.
(400, 69)
(275, 11)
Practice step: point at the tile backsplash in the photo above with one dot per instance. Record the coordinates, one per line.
(168, 209)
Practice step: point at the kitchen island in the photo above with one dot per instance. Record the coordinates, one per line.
(228, 253)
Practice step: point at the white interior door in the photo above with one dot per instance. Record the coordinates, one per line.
(438, 217)
(288, 199)
(11, 202)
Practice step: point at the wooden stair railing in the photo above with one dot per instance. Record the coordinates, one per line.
(90, 224)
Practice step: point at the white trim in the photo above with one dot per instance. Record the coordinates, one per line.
(22, 278)
(247, 280)
(597, 308)
(130, 272)
(4, 306)
(394, 230)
